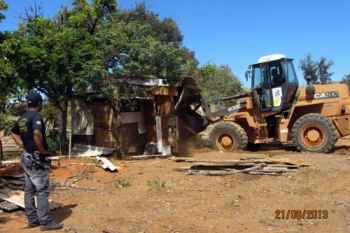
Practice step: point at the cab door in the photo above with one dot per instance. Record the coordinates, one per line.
(269, 83)
(278, 85)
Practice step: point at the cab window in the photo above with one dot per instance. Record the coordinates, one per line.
(259, 77)
(276, 74)
(291, 74)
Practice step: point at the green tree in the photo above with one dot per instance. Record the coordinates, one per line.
(4, 65)
(324, 66)
(3, 6)
(137, 43)
(9, 84)
(6, 68)
(316, 71)
(60, 57)
(218, 81)
(309, 68)
(7, 80)
(73, 52)
(346, 79)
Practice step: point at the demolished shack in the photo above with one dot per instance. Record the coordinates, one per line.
(150, 117)
(143, 121)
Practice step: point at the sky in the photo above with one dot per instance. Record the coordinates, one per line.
(238, 32)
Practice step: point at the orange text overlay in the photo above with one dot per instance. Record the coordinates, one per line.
(300, 214)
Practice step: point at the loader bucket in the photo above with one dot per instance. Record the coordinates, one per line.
(188, 107)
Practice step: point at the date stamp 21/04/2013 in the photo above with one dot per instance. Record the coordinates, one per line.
(300, 214)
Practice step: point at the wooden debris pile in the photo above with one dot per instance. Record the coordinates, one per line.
(147, 157)
(8, 206)
(11, 199)
(13, 182)
(9, 147)
(11, 192)
(229, 167)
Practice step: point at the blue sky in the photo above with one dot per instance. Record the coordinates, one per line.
(238, 32)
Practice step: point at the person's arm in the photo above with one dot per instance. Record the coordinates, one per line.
(15, 134)
(17, 139)
(38, 127)
(39, 142)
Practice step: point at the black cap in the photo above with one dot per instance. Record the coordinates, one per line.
(34, 99)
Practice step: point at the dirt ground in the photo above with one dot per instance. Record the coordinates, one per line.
(150, 196)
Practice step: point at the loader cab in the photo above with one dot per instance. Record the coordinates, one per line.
(274, 83)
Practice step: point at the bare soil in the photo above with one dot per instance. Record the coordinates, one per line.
(150, 196)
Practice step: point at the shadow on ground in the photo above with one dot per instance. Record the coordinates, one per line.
(3, 220)
(63, 212)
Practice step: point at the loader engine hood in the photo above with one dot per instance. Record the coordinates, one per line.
(319, 93)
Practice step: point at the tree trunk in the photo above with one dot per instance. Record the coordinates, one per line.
(1, 152)
(63, 131)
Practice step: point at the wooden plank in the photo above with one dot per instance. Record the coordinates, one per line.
(9, 145)
(222, 172)
(15, 197)
(265, 173)
(193, 160)
(8, 206)
(210, 173)
(241, 161)
(214, 166)
(146, 157)
(12, 181)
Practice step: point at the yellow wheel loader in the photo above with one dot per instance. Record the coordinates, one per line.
(276, 109)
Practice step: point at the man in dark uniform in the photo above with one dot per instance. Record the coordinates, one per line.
(29, 133)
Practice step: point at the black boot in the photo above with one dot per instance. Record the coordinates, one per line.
(51, 226)
(33, 224)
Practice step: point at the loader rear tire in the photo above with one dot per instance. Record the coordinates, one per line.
(228, 137)
(314, 133)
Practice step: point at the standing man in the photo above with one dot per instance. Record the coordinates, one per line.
(29, 133)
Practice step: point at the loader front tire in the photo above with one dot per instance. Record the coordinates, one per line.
(228, 137)
(314, 133)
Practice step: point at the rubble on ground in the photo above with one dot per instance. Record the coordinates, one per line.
(247, 166)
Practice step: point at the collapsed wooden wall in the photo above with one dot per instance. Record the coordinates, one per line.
(104, 116)
(111, 131)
